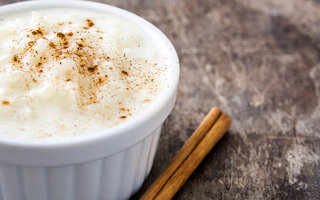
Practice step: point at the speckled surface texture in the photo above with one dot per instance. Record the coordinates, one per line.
(259, 61)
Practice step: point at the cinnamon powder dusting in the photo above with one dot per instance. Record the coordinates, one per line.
(81, 67)
(124, 72)
(15, 58)
(4, 102)
(90, 23)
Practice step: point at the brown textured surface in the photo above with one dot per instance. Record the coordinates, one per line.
(259, 61)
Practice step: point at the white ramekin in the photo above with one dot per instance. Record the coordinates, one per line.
(111, 164)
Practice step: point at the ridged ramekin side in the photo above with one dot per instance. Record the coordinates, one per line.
(113, 177)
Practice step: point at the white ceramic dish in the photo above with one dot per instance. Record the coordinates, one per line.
(108, 165)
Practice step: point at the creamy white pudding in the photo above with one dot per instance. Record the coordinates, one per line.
(68, 72)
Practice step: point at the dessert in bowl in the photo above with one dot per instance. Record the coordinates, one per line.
(84, 90)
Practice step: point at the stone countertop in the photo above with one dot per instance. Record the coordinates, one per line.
(259, 61)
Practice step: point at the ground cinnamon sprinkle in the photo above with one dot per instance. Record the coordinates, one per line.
(39, 31)
(98, 70)
(92, 69)
(125, 72)
(4, 102)
(52, 45)
(60, 35)
(31, 43)
(90, 23)
(15, 58)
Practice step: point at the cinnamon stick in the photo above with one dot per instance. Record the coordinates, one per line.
(183, 153)
(195, 158)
